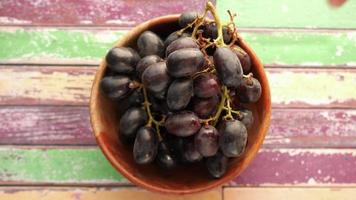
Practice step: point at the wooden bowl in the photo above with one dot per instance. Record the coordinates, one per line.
(183, 179)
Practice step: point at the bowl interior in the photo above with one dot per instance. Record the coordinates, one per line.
(105, 116)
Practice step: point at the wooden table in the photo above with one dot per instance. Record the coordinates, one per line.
(49, 51)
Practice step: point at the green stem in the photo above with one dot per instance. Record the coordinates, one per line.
(220, 39)
(228, 102)
(151, 119)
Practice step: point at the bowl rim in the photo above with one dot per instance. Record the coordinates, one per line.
(116, 164)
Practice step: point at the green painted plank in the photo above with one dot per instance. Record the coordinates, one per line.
(63, 46)
(289, 13)
(56, 165)
(48, 45)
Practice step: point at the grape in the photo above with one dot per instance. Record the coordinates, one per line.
(187, 18)
(176, 146)
(233, 138)
(115, 87)
(145, 62)
(145, 146)
(206, 85)
(165, 158)
(210, 31)
(250, 90)
(156, 79)
(247, 118)
(185, 62)
(130, 121)
(182, 124)
(191, 153)
(217, 165)
(205, 107)
(174, 36)
(134, 99)
(181, 43)
(244, 58)
(158, 105)
(207, 140)
(122, 60)
(149, 43)
(179, 93)
(228, 67)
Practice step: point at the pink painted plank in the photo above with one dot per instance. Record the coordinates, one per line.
(45, 125)
(89, 12)
(301, 167)
(312, 128)
(69, 125)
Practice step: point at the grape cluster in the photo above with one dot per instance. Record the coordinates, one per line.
(185, 95)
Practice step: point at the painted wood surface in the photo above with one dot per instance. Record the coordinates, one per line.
(289, 13)
(107, 193)
(71, 86)
(68, 125)
(88, 46)
(290, 193)
(286, 13)
(87, 166)
(90, 12)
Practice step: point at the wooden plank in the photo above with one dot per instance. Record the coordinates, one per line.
(87, 166)
(71, 86)
(88, 46)
(68, 125)
(289, 13)
(83, 12)
(302, 167)
(290, 193)
(59, 165)
(107, 193)
(286, 13)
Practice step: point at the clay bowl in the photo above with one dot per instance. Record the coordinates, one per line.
(185, 179)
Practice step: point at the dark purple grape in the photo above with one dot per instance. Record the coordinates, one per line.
(181, 43)
(145, 146)
(228, 67)
(207, 140)
(146, 62)
(174, 36)
(158, 105)
(156, 79)
(122, 60)
(247, 118)
(165, 158)
(134, 99)
(191, 153)
(250, 90)
(130, 121)
(217, 165)
(185, 62)
(176, 146)
(149, 43)
(182, 124)
(206, 85)
(210, 31)
(244, 58)
(187, 18)
(205, 107)
(233, 138)
(115, 87)
(179, 93)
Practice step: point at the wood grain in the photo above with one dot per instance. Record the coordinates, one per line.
(84, 12)
(71, 86)
(87, 166)
(69, 125)
(290, 193)
(107, 193)
(89, 45)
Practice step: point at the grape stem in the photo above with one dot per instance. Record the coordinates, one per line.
(151, 119)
